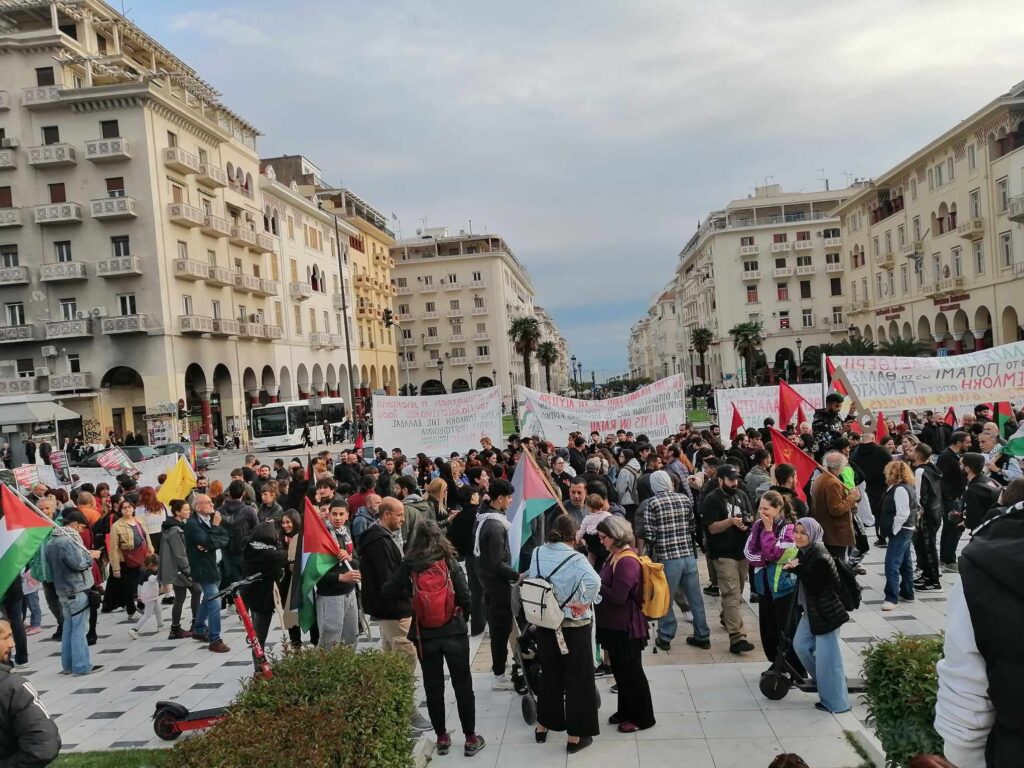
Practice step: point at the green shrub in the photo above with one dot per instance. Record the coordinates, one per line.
(901, 687)
(322, 708)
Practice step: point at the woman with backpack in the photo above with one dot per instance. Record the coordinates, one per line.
(897, 520)
(819, 591)
(429, 575)
(622, 626)
(568, 698)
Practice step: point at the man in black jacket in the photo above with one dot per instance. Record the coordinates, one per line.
(496, 574)
(929, 493)
(347, 470)
(981, 493)
(577, 459)
(872, 458)
(28, 735)
(380, 554)
(936, 433)
(953, 484)
(240, 520)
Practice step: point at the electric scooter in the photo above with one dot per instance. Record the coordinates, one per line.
(171, 719)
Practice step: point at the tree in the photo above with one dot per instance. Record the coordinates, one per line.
(525, 335)
(547, 356)
(747, 338)
(900, 347)
(810, 366)
(856, 345)
(702, 338)
(410, 389)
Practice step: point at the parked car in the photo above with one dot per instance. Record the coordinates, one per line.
(133, 452)
(206, 455)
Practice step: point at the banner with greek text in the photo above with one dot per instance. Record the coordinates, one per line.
(150, 470)
(891, 384)
(437, 424)
(756, 404)
(656, 410)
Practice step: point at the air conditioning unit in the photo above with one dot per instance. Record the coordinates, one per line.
(10, 142)
(99, 312)
(42, 371)
(49, 351)
(83, 314)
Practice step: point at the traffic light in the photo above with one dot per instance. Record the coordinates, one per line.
(388, 318)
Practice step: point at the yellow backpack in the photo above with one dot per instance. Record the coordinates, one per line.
(656, 597)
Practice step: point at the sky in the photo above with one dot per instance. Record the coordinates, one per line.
(593, 136)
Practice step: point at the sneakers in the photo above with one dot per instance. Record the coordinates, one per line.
(950, 568)
(602, 670)
(444, 743)
(169, 600)
(217, 646)
(420, 723)
(614, 689)
(33, 630)
(928, 587)
(887, 606)
(662, 644)
(688, 616)
(698, 643)
(880, 543)
(177, 633)
(501, 682)
(133, 633)
(755, 598)
(712, 590)
(56, 636)
(96, 668)
(474, 744)
(741, 646)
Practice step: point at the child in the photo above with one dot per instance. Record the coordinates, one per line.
(30, 588)
(149, 596)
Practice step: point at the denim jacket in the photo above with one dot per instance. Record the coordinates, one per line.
(576, 581)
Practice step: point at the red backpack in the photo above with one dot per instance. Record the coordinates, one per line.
(433, 596)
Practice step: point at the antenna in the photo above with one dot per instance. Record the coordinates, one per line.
(849, 177)
(823, 177)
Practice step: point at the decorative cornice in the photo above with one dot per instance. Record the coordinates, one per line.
(176, 118)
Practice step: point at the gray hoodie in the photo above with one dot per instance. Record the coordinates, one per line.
(69, 561)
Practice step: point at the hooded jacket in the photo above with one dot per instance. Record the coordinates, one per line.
(69, 561)
(174, 567)
(239, 520)
(416, 508)
(28, 735)
(626, 482)
(379, 558)
(929, 491)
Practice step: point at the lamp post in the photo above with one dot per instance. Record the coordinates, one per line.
(515, 407)
(580, 367)
(575, 384)
(693, 383)
(593, 386)
(344, 307)
(440, 371)
(674, 370)
(799, 357)
(471, 376)
(494, 377)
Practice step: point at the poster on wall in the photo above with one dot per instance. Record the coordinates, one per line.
(437, 425)
(755, 404)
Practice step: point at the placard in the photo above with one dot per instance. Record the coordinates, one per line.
(437, 425)
(756, 404)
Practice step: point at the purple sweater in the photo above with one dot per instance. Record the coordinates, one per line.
(765, 546)
(621, 591)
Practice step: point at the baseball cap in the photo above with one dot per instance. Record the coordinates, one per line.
(729, 472)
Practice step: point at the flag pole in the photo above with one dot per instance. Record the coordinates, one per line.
(551, 489)
(24, 500)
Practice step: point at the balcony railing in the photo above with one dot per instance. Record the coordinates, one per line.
(478, 311)
(431, 341)
(217, 226)
(405, 318)
(430, 316)
(831, 266)
(22, 385)
(780, 247)
(404, 342)
(68, 329)
(264, 243)
(428, 288)
(408, 365)
(41, 96)
(453, 286)
(247, 330)
(211, 176)
(195, 324)
(455, 313)
(234, 186)
(64, 382)
(52, 155)
(477, 284)
(835, 327)
(5, 100)
(805, 269)
(107, 150)
(247, 283)
(220, 276)
(299, 291)
(833, 242)
(191, 269)
(10, 217)
(803, 245)
(403, 290)
(750, 250)
(123, 324)
(63, 270)
(268, 288)
(1015, 209)
(58, 213)
(14, 276)
(339, 301)
(972, 229)
(113, 208)
(782, 272)
(9, 333)
(950, 285)
(481, 336)
(223, 326)
(910, 248)
(885, 258)
(186, 215)
(179, 160)
(461, 360)
(319, 339)
(479, 359)
(243, 236)
(457, 338)
(8, 159)
(274, 332)
(751, 274)
(930, 289)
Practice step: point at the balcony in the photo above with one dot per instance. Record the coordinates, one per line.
(972, 229)
(216, 226)
(113, 208)
(123, 324)
(428, 288)
(833, 266)
(404, 318)
(835, 327)
(480, 359)
(14, 276)
(223, 326)
(782, 272)
(361, 281)
(22, 385)
(274, 332)
(860, 305)
(318, 339)
(950, 285)
(404, 342)
(461, 360)
(5, 100)
(299, 291)
(909, 249)
(10, 217)
(107, 150)
(803, 245)
(339, 301)
(455, 313)
(119, 266)
(57, 213)
(68, 329)
(268, 288)
(41, 96)
(220, 276)
(780, 247)
(408, 365)
(481, 336)
(431, 341)
(15, 333)
(195, 324)
(1018, 269)
(247, 283)
(211, 176)
(930, 289)
(177, 159)
(806, 269)
(479, 311)
(886, 259)
(238, 189)
(191, 269)
(751, 274)
(750, 250)
(243, 236)
(833, 242)
(388, 290)
(476, 284)
(248, 330)
(403, 290)
(452, 286)
(62, 270)
(52, 155)
(430, 316)
(8, 159)
(365, 313)
(457, 338)
(1015, 209)
(186, 215)
(64, 382)
(264, 244)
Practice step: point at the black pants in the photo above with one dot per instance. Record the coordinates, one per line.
(498, 608)
(452, 650)
(838, 552)
(567, 698)
(626, 657)
(776, 615)
(13, 610)
(261, 623)
(179, 603)
(121, 591)
(53, 603)
(925, 537)
(876, 511)
(951, 533)
(477, 617)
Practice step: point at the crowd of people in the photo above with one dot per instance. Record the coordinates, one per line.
(424, 553)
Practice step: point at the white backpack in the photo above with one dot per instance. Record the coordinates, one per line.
(537, 595)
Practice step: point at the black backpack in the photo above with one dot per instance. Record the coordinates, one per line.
(849, 589)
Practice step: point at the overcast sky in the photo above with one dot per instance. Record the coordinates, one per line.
(592, 135)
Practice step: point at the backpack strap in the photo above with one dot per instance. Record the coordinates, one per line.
(625, 553)
(557, 567)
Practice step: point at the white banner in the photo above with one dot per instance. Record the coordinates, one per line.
(437, 424)
(893, 384)
(656, 410)
(151, 469)
(756, 404)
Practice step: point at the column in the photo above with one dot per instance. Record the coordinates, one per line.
(320, 392)
(979, 339)
(206, 430)
(254, 396)
(771, 374)
(940, 341)
(958, 342)
(272, 394)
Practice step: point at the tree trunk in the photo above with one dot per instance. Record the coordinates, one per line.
(702, 373)
(547, 377)
(527, 373)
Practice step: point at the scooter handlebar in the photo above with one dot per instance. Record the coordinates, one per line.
(230, 589)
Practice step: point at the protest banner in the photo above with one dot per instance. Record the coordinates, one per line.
(27, 475)
(656, 410)
(437, 424)
(756, 404)
(892, 384)
(116, 461)
(151, 470)
(61, 466)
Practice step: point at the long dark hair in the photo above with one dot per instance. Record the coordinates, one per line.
(429, 544)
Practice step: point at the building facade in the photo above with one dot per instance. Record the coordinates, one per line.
(560, 370)
(935, 247)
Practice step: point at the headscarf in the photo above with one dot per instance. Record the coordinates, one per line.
(661, 482)
(815, 533)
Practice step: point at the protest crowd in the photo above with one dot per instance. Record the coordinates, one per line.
(426, 548)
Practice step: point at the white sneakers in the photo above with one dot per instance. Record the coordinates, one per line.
(888, 606)
(688, 616)
(133, 633)
(502, 683)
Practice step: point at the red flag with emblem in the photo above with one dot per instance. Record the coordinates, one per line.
(784, 452)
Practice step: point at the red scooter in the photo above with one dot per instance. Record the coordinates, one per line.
(171, 718)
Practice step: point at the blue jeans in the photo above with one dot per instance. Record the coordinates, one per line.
(682, 575)
(30, 606)
(207, 621)
(74, 650)
(899, 568)
(821, 657)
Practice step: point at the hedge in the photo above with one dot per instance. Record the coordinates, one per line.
(322, 708)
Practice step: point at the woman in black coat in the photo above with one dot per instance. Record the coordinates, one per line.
(262, 555)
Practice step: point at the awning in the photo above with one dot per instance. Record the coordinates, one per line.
(32, 412)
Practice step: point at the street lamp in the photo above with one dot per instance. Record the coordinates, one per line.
(580, 366)
(674, 371)
(344, 307)
(799, 357)
(593, 385)
(693, 383)
(494, 377)
(440, 370)
(471, 376)
(515, 407)
(575, 384)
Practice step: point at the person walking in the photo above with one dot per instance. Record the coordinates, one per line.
(622, 627)
(127, 547)
(898, 515)
(204, 535)
(817, 635)
(447, 643)
(263, 556)
(568, 697)
(71, 566)
(175, 571)
(953, 486)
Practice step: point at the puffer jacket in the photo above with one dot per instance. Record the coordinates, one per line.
(174, 567)
(28, 735)
(819, 590)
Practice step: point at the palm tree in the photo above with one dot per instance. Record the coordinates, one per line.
(900, 347)
(701, 340)
(525, 335)
(856, 345)
(547, 356)
(810, 369)
(747, 338)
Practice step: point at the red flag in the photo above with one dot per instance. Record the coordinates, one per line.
(856, 427)
(801, 417)
(950, 418)
(835, 386)
(784, 452)
(737, 422)
(309, 466)
(359, 441)
(789, 402)
(881, 428)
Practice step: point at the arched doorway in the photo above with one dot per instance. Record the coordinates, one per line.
(197, 402)
(484, 382)
(460, 385)
(226, 414)
(126, 392)
(982, 328)
(785, 364)
(432, 387)
(269, 393)
(302, 381)
(1011, 330)
(318, 380)
(285, 391)
(962, 338)
(332, 380)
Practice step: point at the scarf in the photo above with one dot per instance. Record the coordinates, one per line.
(815, 533)
(590, 522)
(498, 517)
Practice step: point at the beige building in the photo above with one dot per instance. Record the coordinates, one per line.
(456, 297)
(560, 370)
(934, 246)
(140, 267)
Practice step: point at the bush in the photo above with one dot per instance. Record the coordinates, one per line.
(901, 687)
(322, 708)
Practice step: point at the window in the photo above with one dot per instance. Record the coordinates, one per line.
(68, 309)
(807, 318)
(483, 351)
(431, 306)
(916, 226)
(784, 319)
(746, 241)
(835, 286)
(904, 278)
(8, 255)
(950, 169)
(478, 276)
(432, 332)
(298, 321)
(833, 258)
(401, 282)
(109, 129)
(781, 292)
(750, 266)
(115, 186)
(75, 363)
(215, 305)
(62, 249)
(203, 156)
(453, 304)
(206, 204)
(972, 157)
(26, 368)
(211, 258)
(803, 261)
(874, 247)
(428, 279)
(186, 304)
(831, 232)
(751, 294)
(172, 139)
(974, 203)
(456, 329)
(6, 199)
(403, 309)
(178, 194)
(291, 228)
(805, 289)
(1002, 195)
(51, 134)
(15, 312)
(879, 285)
(435, 354)
(888, 241)
(936, 266)
(44, 76)
(979, 258)
(1006, 249)
(481, 327)
(126, 304)
(957, 260)
(837, 315)
(913, 189)
(931, 179)
(891, 277)
(478, 302)
(802, 237)
(453, 278)
(780, 263)
(182, 249)
(57, 194)
(781, 238)
(120, 245)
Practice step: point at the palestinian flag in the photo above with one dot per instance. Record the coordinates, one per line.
(1002, 414)
(22, 532)
(319, 553)
(531, 498)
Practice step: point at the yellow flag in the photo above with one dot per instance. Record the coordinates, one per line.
(180, 481)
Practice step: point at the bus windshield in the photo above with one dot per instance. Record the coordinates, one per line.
(269, 422)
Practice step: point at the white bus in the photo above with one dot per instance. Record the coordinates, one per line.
(279, 425)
